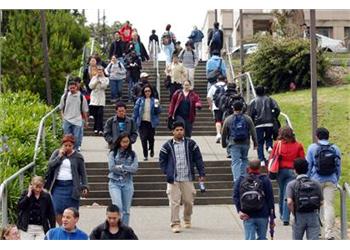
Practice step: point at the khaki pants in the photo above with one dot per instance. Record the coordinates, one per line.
(190, 75)
(34, 232)
(329, 190)
(180, 192)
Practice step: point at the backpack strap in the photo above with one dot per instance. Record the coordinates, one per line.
(64, 101)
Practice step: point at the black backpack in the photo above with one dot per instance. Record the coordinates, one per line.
(251, 194)
(239, 130)
(307, 195)
(220, 90)
(325, 160)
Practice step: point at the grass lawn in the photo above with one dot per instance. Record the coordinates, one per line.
(333, 113)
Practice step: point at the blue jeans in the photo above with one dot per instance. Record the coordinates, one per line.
(239, 160)
(284, 176)
(306, 222)
(116, 88)
(121, 194)
(264, 135)
(131, 84)
(168, 51)
(255, 227)
(69, 128)
(80, 137)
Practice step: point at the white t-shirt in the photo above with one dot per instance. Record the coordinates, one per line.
(212, 90)
(65, 172)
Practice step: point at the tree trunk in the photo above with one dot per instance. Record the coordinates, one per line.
(46, 57)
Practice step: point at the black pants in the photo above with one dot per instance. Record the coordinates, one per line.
(97, 112)
(187, 123)
(147, 134)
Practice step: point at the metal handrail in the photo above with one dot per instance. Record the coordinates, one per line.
(155, 48)
(230, 61)
(344, 192)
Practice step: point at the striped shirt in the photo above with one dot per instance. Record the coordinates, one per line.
(181, 168)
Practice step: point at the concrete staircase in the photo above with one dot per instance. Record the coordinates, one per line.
(204, 123)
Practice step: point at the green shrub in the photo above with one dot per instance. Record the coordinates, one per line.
(20, 115)
(280, 61)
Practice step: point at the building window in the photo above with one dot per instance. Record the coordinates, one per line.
(261, 26)
(325, 31)
(347, 32)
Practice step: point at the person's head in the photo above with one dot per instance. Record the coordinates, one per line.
(144, 77)
(301, 166)
(100, 70)
(37, 183)
(92, 61)
(322, 134)
(127, 23)
(168, 27)
(222, 78)
(73, 86)
(68, 143)
(70, 218)
(178, 44)
(10, 232)
(153, 32)
(114, 59)
(195, 27)
(178, 129)
(77, 79)
(238, 106)
(123, 142)
(216, 52)
(175, 58)
(113, 215)
(147, 91)
(120, 109)
(117, 36)
(188, 45)
(216, 25)
(187, 85)
(260, 90)
(254, 164)
(286, 134)
(135, 36)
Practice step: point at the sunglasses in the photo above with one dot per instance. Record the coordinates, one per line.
(147, 91)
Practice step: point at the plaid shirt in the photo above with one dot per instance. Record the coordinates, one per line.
(182, 169)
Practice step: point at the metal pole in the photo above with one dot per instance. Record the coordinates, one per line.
(216, 15)
(343, 226)
(4, 207)
(241, 54)
(154, 53)
(54, 125)
(313, 73)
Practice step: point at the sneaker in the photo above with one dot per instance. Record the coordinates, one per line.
(331, 238)
(269, 150)
(187, 224)
(113, 100)
(95, 132)
(285, 223)
(262, 164)
(100, 132)
(79, 149)
(228, 156)
(175, 229)
(218, 138)
(151, 153)
(145, 159)
(91, 117)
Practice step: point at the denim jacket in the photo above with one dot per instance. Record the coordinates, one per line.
(139, 109)
(121, 166)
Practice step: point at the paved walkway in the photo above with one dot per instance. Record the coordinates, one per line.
(212, 222)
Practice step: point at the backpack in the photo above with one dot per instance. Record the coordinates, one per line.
(216, 39)
(220, 90)
(239, 131)
(307, 195)
(251, 194)
(166, 38)
(65, 101)
(214, 74)
(325, 160)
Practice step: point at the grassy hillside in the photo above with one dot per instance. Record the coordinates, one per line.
(333, 113)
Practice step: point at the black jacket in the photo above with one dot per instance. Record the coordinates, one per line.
(144, 54)
(101, 232)
(214, 46)
(46, 209)
(118, 48)
(78, 172)
(263, 109)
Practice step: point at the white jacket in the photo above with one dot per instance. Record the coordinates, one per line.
(98, 84)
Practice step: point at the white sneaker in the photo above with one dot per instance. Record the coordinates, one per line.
(262, 164)
(218, 138)
(269, 150)
(91, 117)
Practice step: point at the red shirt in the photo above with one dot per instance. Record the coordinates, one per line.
(125, 33)
(289, 152)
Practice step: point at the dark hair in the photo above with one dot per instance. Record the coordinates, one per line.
(187, 81)
(260, 90)
(72, 82)
(113, 209)
(222, 78)
(120, 105)
(254, 164)
(286, 134)
(77, 79)
(216, 52)
(178, 124)
(322, 133)
(153, 31)
(117, 145)
(301, 166)
(74, 210)
(238, 106)
(143, 90)
(168, 27)
(216, 25)
(68, 138)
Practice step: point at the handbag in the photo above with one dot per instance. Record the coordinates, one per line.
(274, 162)
(170, 122)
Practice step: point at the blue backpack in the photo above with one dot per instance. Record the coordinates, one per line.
(239, 130)
(216, 39)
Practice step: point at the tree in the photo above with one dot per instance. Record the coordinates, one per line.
(287, 23)
(23, 54)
